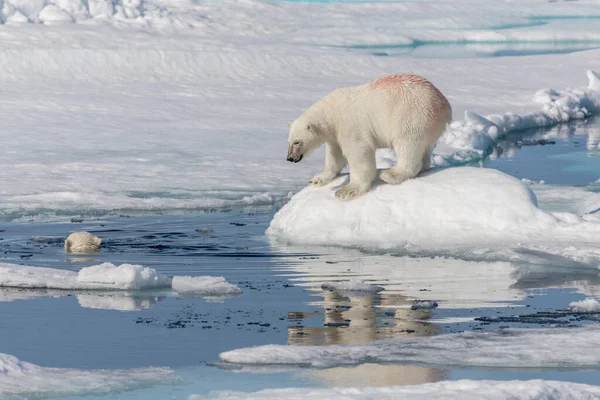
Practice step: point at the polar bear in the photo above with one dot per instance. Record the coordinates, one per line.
(82, 242)
(403, 112)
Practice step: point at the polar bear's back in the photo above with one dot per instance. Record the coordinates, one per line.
(404, 104)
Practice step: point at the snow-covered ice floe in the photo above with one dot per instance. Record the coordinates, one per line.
(463, 211)
(463, 390)
(107, 276)
(20, 380)
(587, 305)
(523, 348)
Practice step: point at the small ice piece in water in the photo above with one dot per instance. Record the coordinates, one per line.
(206, 285)
(82, 243)
(587, 305)
(204, 231)
(125, 276)
(424, 305)
(353, 285)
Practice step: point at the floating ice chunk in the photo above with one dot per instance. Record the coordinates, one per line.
(449, 211)
(206, 285)
(107, 276)
(125, 276)
(587, 305)
(353, 285)
(523, 348)
(459, 390)
(20, 379)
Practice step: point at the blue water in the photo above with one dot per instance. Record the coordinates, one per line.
(279, 305)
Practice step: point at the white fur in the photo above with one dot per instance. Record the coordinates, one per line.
(82, 242)
(403, 112)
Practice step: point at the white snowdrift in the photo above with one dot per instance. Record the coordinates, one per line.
(107, 276)
(463, 390)
(587, 305)
(523, 348)
(20, 379)
(444, 210)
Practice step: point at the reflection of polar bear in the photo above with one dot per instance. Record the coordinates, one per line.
(404, 112)
(82, 242)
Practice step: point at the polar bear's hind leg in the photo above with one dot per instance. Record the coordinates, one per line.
(409, 162)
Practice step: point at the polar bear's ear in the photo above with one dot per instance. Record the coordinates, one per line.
(290, 123)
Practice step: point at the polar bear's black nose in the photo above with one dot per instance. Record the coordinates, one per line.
(290, 159)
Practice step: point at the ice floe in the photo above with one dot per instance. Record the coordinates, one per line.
(20, 379)
(523, 348)
(462, 389)
(451, 211)
(107, 276)
(587, 305)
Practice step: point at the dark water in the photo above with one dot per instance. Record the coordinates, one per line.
(282, 300)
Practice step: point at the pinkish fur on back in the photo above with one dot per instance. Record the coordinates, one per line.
(437, 108)
(399, 81)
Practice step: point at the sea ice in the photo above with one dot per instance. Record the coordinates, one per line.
(459, 390)
(587, 305)
(20, 379)
(448, 211)
(125, 276)
(523, 348)
(107, 276)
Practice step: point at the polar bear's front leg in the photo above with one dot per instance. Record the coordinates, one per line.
(362, 173)
(334, 163)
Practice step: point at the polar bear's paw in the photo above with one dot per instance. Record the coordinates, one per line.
(393, 176)
(321, 179)
(349, 192)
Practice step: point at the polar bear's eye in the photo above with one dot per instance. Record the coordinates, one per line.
(296, 143)
(308, 127)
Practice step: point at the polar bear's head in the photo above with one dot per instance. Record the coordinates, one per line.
(82, 242)
(305, 136)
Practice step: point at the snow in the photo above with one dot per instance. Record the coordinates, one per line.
(523, 348)
(107, 276)
(449, 211)
(587, 305)
(462, 389)
(20, 379)
(125, 276)
(110, 85)
(353, 285)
